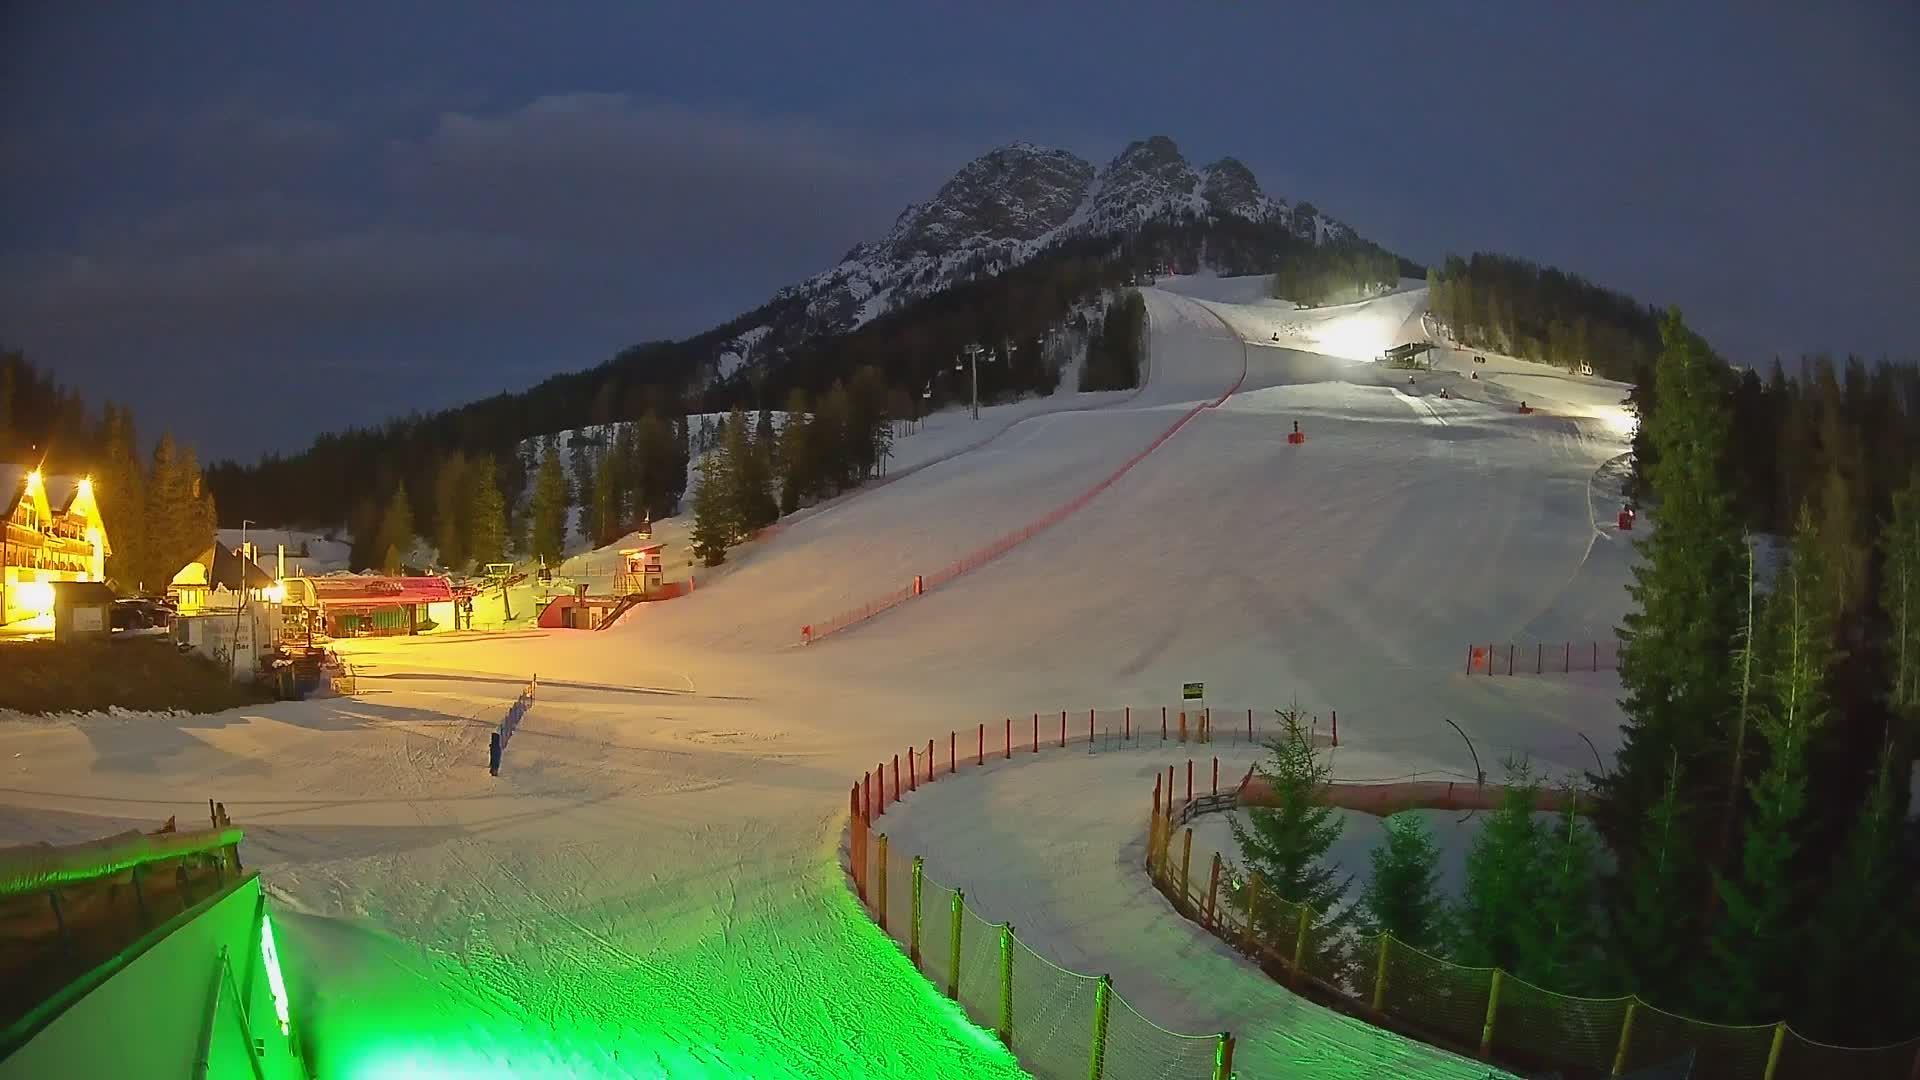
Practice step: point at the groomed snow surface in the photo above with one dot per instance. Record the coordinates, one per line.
(652, 886)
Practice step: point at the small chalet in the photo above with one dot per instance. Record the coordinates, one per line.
(365, 605)
(217, 578)
(52, 533)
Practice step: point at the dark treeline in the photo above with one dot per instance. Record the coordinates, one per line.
(156, 507)
(1772, 673)
(1336, 275)
(1519, 308)
(1116, 346)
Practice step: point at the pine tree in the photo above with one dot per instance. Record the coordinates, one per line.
(836, 470)
(1504, 874)
(584, 486)
(396, 535)
(607, 484)
(1900, 599)
(547, 517)
(121, 495)
(796, 454)
(750, 480)
(1753, 961)
(1861, 961)
(629, 481)
(486, 513)
(1652, 930)
(1560, 948)
(452, 504)
(1675, 664)
(713, 525)
(1287, 842)
(1402, 896)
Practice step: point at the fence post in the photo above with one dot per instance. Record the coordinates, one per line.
(1300, 942)
(1380, 975)
(1773, 1052)
(1189, 781)
(1186, 862)
(1163, 723)
(1493, 1008)
(1089, 727)
(1006, 984)
(1213, 890)
(1156, 793)
(493, 754)
(981, 759)
(1063, 727)
(1216, 776)
(1223, 1057)
(1626, 1037)
(929, 761)
(1036, 733)
(896, 778)
(1206, 724)
(879, 788)
(1253, 915)
(880, 883)
(866, 799)
(1126, 725)
(1009, 739)
(913, 929)
(1102, 1006)
(913, 771)
(953, 951)
(953, 756)
(1183, 725)
(1169, 793)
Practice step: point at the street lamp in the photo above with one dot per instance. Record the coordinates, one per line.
(973, 354)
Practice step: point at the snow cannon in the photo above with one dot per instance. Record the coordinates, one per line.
(1296, 436)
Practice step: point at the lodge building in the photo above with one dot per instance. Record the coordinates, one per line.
(53, 533)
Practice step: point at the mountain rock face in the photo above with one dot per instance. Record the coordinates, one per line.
(1010, 204)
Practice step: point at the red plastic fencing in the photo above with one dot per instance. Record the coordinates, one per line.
(973, 560)
(1542, 657)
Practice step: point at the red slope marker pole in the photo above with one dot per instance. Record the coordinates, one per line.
(981, 754)
(953, 759)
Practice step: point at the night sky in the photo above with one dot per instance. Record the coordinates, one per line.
(256, 221)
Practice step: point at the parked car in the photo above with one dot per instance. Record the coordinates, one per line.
(141, 617)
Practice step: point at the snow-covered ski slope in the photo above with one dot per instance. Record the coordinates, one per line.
(651, 887)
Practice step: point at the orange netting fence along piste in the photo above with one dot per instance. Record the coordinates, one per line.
(1481, 1011)
(1542, 657)
(1059, 1023)
(814, 631)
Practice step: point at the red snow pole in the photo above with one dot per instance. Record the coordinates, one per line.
(1169, 792)
(866, 800)
(880, 788)
(1216, 776)
(1009, 756)
(1163, 723)
(1189, 781)
(896, 777)
(1156, 793)
(913, 772)
(1036, 733)
(1126, 725)
(929, 761)
(1089, 727)
(1249, 726)
(1063, 727)
(981, 759)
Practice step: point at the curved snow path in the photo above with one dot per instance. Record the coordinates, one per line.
(1056, 846)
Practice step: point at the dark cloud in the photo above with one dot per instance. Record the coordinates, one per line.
(377, 208)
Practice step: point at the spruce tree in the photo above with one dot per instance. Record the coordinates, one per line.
(1675, 663)
(121, 495)
(1286, 843)
(607, 484)
(750, 480)
(584, 487)
(452, 505)
(1652, 925)
(1504, 874)
(547, 516)
(1861, 963)
(486, 513)
(1753, 961)
(1900, 599)
(713, 525)
(1402, 895)
(797, 468)
(1560, 948)
(396, 535)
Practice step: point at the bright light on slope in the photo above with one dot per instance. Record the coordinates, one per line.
(278, 985)
(1360, 335)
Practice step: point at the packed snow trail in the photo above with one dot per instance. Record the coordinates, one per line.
(651, 886)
